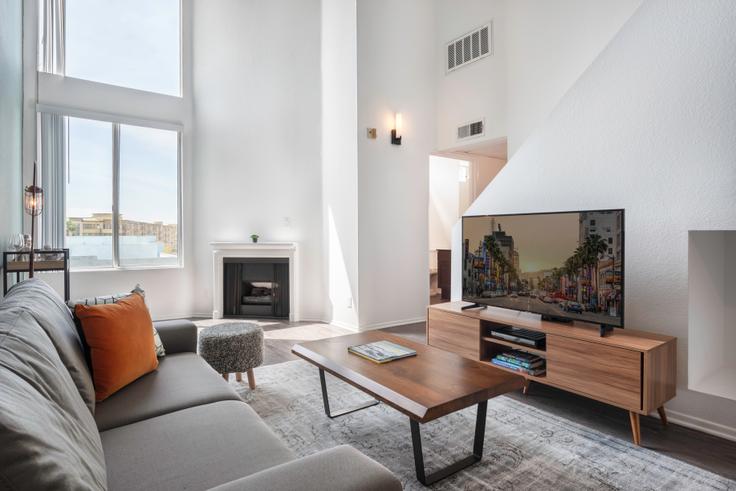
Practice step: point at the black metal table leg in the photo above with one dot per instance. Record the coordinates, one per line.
(342, 412)
(416, 440)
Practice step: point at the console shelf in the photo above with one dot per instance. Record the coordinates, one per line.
(525, 375)
(630, 369)
(511, 344)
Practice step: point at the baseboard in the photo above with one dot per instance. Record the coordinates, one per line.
(703, 425)
(172, 317)
(344, 325)
(382, 325)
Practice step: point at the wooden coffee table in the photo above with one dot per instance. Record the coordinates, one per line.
(425, 387)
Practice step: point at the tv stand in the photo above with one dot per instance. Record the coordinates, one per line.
(633, 370)
(474, 306)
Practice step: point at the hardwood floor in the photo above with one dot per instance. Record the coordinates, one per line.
(700, 449)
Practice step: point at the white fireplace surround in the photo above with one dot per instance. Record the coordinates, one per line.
(221, 250)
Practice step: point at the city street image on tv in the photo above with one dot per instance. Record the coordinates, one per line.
(556, 264)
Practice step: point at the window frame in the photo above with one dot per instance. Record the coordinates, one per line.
(48, 89)
(115, 123)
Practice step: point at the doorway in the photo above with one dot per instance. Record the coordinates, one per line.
(456, 179)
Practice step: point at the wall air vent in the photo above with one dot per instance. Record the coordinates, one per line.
(470, 47)
(471, 130)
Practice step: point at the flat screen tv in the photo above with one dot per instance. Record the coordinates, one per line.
(565, 266)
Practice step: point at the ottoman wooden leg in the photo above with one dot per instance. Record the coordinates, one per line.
(239, 376)
(225, 376)
(251, 379)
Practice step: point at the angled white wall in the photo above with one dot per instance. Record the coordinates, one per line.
(649, 127)
(548, 46)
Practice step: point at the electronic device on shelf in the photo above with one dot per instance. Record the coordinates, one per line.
(526, 337)
(565, 266)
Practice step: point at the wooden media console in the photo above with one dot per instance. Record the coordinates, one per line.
(633, 370)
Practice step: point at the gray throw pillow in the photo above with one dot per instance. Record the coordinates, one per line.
(106, 299)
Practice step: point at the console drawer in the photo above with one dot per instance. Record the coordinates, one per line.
(605, 373)
(455, 333)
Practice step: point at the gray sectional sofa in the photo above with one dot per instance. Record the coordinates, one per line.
(180, 427)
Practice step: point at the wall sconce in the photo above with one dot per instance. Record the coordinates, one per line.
(396, 132)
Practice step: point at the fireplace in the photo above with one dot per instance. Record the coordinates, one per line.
(256, 287)
(271, 268)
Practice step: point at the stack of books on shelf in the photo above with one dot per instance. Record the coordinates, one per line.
(521, 361)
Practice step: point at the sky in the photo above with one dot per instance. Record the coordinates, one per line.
(131, 43)
(543, 241)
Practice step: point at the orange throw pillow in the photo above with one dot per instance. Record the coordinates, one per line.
(120, 339)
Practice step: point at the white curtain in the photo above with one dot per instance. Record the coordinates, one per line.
(53, 167)
(51, 128)
(51, 30)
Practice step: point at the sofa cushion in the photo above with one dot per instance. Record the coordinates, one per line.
(49, 438)
(120, 338)
(49, 310)
(343, 468)
(195, 448)
(182, 380)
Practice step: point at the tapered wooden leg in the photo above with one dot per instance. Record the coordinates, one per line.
(635, 429)
(239, 376)
(525, 390)
(251, 379)
(225, 375)
(662, 415)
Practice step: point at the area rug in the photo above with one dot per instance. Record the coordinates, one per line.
(525, 448)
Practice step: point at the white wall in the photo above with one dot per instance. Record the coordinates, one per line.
(340, 160)
(548, 46)
(11, 117)
(648, 127)
(257, 140)
(479, 89)
(395, 73)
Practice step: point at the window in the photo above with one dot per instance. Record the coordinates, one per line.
(112, 179)
(128, 43)
(122, 189)
(149, 170)
(592, 223)
(89, 193)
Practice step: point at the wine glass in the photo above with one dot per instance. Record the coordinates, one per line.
(15, 244)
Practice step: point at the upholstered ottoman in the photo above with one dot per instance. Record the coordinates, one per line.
(234, 347)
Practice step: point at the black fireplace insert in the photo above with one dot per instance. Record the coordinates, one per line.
(256, 288)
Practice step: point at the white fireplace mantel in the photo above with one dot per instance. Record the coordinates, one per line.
(221, 250)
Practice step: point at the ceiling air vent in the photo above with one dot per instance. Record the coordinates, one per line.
(471, 130)
(469, 47)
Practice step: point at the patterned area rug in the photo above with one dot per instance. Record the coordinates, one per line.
(525, 448)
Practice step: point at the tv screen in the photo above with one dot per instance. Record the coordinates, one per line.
(566, 265)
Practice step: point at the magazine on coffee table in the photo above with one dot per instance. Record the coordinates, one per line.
(382, 351)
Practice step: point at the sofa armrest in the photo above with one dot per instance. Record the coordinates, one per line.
(341, 468)
(178, 336)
